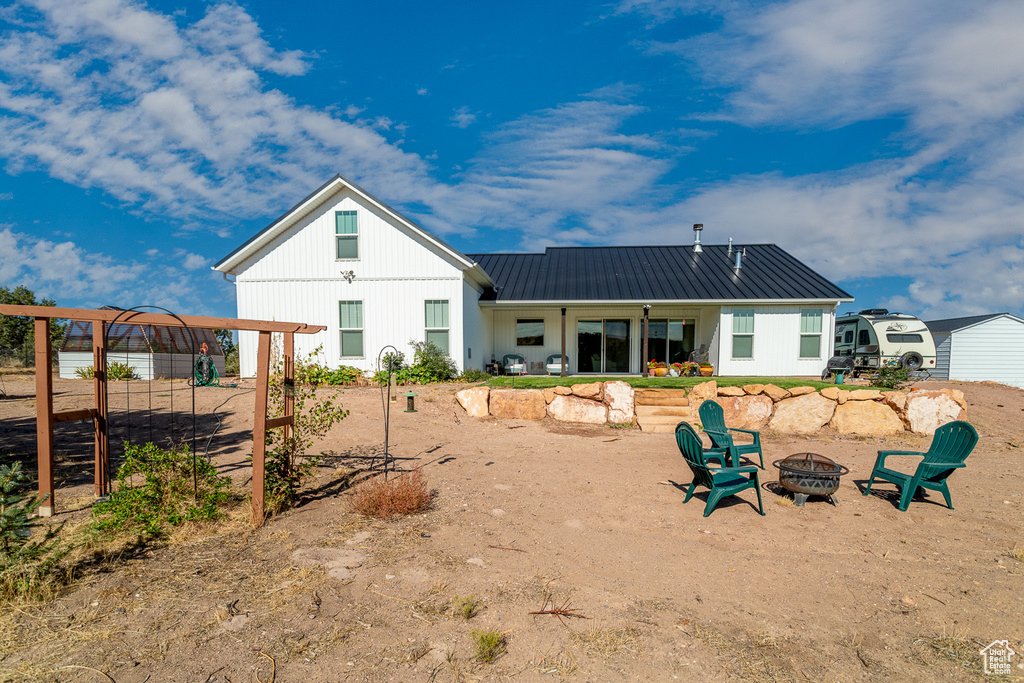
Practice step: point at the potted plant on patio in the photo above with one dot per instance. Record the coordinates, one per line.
(657, 368)
(706, 370)
(690, 369)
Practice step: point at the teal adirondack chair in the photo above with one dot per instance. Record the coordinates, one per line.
(712, 418)
(724, 481)
(951, 445)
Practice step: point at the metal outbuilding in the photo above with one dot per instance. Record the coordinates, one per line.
(980, 348)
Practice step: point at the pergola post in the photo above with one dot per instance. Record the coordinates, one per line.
(259, 427)
(99, 364)
(563, 343)
(44, 414)
(289, 380)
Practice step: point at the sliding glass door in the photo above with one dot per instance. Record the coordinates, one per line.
(669, 341)
(602, 346)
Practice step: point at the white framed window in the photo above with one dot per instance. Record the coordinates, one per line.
(436, 323)
(743, 333)
(350, 322)
(346, 235)
(810, 333)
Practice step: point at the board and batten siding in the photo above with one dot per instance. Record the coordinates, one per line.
(297, 278)
(989, 351)
(393, 313)
(776, 351)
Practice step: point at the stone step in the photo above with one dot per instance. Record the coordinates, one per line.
(647, 426)
(680, 411)
(662, 419)
(659, 401)
(661, 393)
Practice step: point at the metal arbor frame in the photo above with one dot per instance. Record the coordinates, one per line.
(46, 418)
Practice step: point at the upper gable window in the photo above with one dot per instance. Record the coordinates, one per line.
(346, 229)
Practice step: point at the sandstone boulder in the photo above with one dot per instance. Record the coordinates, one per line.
(928, 410)
(592, 390)
(957, 396)
(576, 409)
(753, 389)
(843, 397)
(746, 412)
(865, 395)
(774, 393)
(519, 404)
(549, 394)
(870, 418)
(802, 414)
(474, 400)
(801, 391)
(896, 400)
(700, 393)
(563, 391)
(831, 393)
(621, 403)
(731, 391)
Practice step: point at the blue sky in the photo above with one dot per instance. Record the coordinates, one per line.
(881, 141)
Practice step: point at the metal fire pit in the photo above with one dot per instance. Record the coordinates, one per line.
(810, 474)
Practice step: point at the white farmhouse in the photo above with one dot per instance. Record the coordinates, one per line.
(344, 259)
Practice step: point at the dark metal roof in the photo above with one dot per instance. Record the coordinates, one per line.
(953, 324)
(652, 274)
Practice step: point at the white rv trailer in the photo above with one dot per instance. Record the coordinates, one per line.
(875, 336)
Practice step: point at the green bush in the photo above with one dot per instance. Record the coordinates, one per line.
(27, 567)
(165, 496)
(431, 364)
(473, 375)
(231, 366)
(892, 375)
(85, 373)
(120, 371)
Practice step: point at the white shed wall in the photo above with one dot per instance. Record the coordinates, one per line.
(776, 343)
(146, 365)
(990, 351)
(943, 342)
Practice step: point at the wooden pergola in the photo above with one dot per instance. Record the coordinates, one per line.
(46, 418)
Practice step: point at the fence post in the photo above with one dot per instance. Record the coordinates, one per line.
(44, 415)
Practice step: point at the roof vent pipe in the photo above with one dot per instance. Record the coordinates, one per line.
(697, 227)
(739, 261)
(730, 246)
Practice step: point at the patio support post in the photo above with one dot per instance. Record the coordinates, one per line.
(259, 427)
(563, 343)
(99, 379)
(44, 415)
(647, 310)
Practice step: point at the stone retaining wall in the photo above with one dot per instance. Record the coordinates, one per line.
(800, 410)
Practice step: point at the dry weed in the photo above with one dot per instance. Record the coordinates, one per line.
(607, 642)
(562, 664)
(784, 501)
(1017, 553)
(957, 647)
(384, 499)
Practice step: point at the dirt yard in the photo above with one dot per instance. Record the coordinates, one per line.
(529, 515)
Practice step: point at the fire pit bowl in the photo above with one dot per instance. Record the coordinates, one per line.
(810, 474)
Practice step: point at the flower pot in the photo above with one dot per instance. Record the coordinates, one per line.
(707, 372)
(660, 372)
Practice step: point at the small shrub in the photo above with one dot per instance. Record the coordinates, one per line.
(489, 645)
(231, 366)
(404, 495)
(166, 496)
(474, 375)
(892, 375)
(85, 373)
(467, 608)
(431, 364)
(1017, 553)
(27, 567)
(120, 371)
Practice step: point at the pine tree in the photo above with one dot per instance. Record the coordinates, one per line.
(18, 552)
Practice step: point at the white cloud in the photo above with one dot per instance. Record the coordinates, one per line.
(463, 117)
(194, 262)
(422, 91)
(6, 196)
(74, 276)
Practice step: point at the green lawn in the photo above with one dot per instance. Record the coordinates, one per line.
(534, 382)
